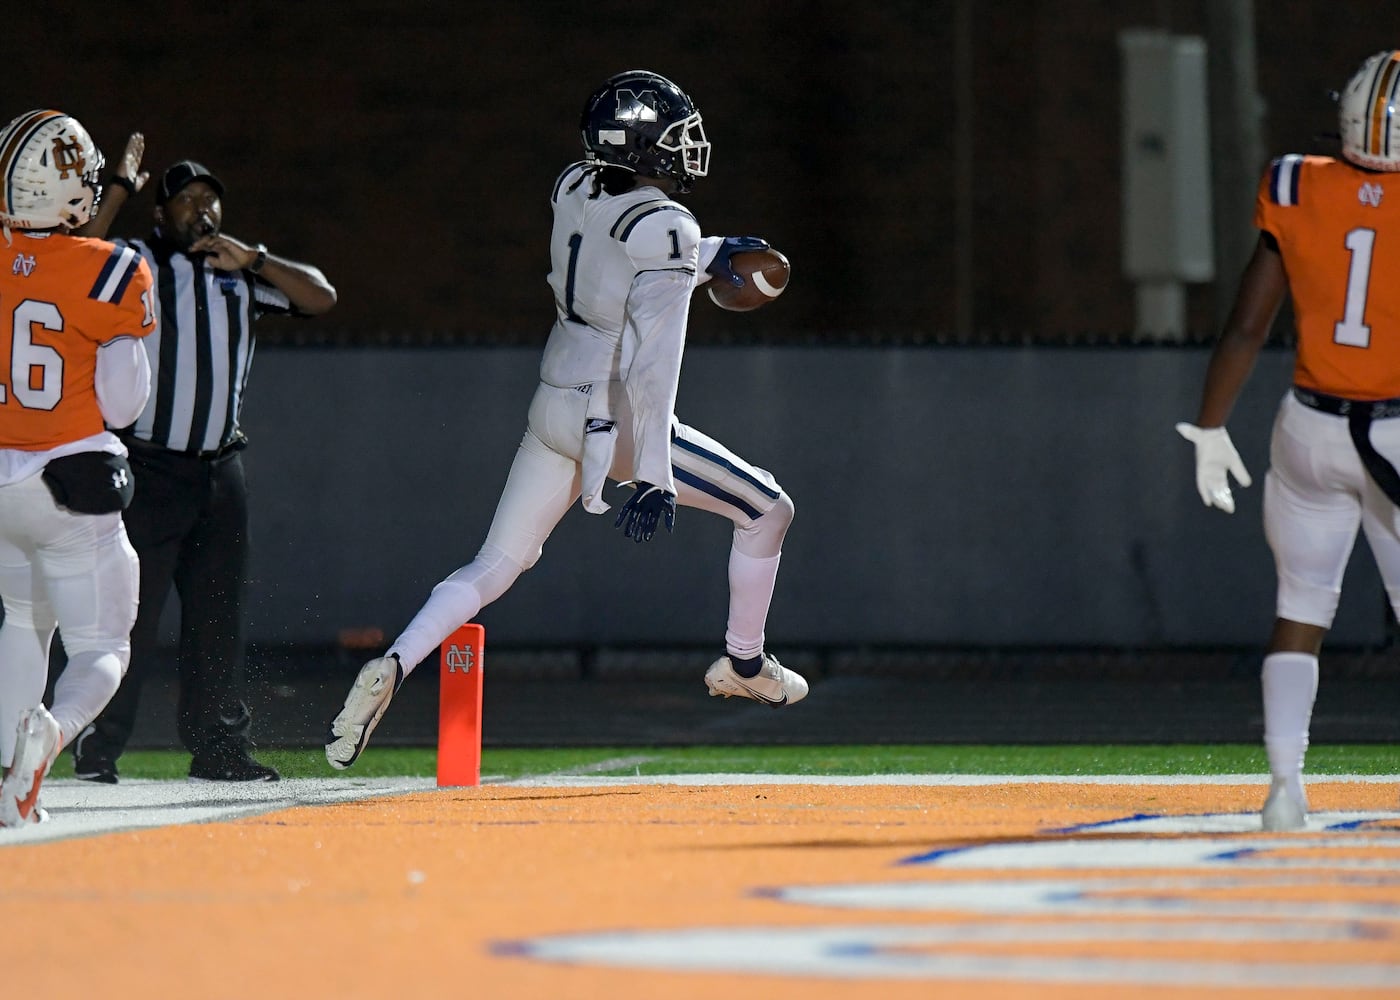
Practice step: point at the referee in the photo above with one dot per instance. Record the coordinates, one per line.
(189, 519)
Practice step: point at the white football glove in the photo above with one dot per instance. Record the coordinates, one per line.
(1215, 456)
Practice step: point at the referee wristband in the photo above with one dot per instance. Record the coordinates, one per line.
(260, 260)
(122, 182)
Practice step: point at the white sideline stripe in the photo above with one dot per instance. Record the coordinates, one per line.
(563, 780)
(84, 809)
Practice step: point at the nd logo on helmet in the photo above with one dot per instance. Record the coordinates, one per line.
(68, 155)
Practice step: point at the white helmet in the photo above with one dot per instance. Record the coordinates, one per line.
(49, 169)
(1370, 113)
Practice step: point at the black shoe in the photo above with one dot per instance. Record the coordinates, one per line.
(96, 769)
(89, 763)
(237, 768)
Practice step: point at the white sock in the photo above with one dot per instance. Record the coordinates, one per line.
(24, 668)
(751, 582)
(1289, 681)
(83, 690)
(452, 603)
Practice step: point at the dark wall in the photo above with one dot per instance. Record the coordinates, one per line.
(408, 148)
(1028, 496)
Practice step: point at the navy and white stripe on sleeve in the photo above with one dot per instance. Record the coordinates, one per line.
(115, 275)
(627, 221)
(1284, 176)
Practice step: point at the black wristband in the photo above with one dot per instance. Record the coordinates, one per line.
(122, 182)
(260, 260)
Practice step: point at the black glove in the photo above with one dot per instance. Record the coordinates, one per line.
(643, 509)
(719, 267)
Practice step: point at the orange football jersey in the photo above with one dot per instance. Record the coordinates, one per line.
(61, 298)
(1338, 229)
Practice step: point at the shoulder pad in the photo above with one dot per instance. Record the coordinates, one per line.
(117, 270)
(1285, 173)
(571, 173)
(657, 214)
(660, 235)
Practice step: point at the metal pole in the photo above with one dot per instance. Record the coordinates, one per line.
(1236, 139)
(963, 100)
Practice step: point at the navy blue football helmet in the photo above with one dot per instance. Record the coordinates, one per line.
(644, 123)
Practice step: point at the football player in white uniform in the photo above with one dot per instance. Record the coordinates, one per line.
(625, 260)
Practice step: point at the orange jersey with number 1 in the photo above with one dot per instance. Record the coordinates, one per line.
(1338, 229)
(62, 298)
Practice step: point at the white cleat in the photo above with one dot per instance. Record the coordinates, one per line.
(1285, 809)
(364, 706)
(775, 684)
(37, 743)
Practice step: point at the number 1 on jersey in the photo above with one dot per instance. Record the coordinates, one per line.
(1352, 331)
(575, 241)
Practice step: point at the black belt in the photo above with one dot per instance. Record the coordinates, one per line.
(1359, 414)
(1379, 409)
(141, 445)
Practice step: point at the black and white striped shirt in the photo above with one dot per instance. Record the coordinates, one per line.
(202, 348)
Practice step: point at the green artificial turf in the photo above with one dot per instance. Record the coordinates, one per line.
(1186, 760)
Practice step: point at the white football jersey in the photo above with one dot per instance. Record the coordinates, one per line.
(623, 268)
(599, 246)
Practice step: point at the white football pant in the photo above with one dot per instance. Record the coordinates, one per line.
(76, 572)
(1317, 493)
(546, 480)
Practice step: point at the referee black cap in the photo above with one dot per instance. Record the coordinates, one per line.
(184, 173)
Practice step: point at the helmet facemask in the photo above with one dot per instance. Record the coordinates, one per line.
(686, 138)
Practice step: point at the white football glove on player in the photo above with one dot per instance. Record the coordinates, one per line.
(1215, 456)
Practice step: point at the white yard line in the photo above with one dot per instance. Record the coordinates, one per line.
(614, 764)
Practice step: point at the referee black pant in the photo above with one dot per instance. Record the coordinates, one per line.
(189, 525)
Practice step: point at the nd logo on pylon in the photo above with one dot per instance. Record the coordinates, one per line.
(463, 669)
(460, 659)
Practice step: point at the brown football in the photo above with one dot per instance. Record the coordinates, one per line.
(765, 274)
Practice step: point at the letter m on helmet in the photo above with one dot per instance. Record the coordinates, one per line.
(633, 106)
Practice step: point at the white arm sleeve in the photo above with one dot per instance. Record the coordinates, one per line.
(658, 307)
(664, 247)
(122, 380)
